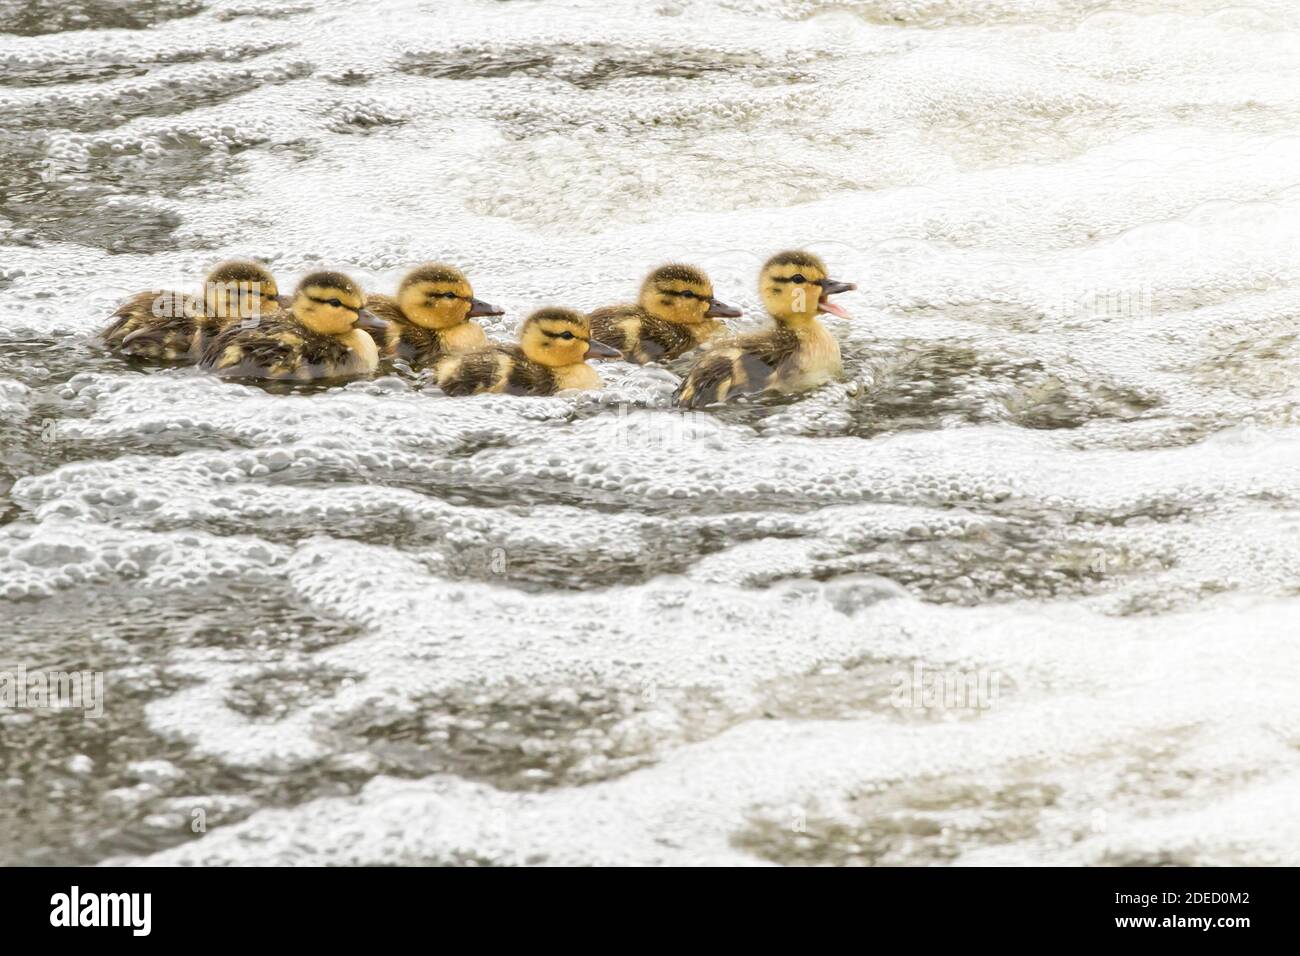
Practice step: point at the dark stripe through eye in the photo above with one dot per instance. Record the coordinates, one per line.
(563, 335)
(336, 303)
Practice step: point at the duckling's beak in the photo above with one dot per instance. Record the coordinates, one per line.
(720, 310)
(370, 322)
(829, 288)
(479, 307)
(599, 350)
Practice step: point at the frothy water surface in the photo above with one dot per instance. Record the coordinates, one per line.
(372, 624)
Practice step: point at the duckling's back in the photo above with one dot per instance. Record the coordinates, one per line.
(747, 365)
(499, 368)
(160, 326)
(280, 348)
(416, 345)
(640, 336)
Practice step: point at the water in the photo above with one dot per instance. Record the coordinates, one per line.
(374, 625)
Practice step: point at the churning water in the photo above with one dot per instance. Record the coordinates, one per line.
(1024, 588)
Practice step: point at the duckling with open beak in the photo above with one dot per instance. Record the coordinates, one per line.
(799, 353)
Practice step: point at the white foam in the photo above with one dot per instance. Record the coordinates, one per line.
(1065, 453)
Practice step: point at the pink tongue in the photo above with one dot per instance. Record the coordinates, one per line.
(826, 305)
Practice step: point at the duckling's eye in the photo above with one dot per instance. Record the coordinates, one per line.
(334, 302)
(688, 294)
(798, 278)
(449, 295)
(566, 335)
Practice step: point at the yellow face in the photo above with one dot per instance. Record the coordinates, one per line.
(327, 309)
(790, 290)
(683, 295)
(677, 300)
(556, 337)
(436, 303)
(240, 293)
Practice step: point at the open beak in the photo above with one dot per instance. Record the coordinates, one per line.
(829, 288)
(599, 350)
(720, 310)
(479, 307)
(370, 322)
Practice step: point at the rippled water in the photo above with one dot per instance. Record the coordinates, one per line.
(372, 624)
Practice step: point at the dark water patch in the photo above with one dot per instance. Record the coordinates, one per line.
(870, 688)
(1054, 403)
(916, 823)
(534, 566)
(361, 116)
(467, 63)
(101, 67)
(106, 109)
(42, 436)
(264, 11)
(1152, 510)
(274, 693)
(937, 386)
(104, 192)
(349, 78)
(47, 204)
(169, 165)
(30, 435)
(935, 820)
(38, 17)
(121, 228)
(77, 790)
(541, 567)
(113, 623)
(1007, 561)
(515, 736)
(589, 66)
(52, 74)
(1251, 364)
(46, 360)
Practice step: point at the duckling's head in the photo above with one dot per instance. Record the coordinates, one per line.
(240, 289)
(439, 296)
(328, 302)
(559, 337)
(795, 287)
(682, 294)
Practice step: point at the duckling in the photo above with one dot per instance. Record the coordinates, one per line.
(675, 312)
(554, 345)
(430, 317)
(798, 354)
(322, 335)
(174, 327)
